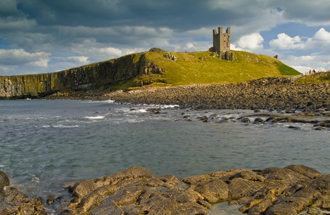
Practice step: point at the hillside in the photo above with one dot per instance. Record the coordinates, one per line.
(205, 68)
(147, 70)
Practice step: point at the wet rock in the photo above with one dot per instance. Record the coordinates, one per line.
(223, 119)
(294, 127)
(271, 120)
(4, 180)
(258, 120)
(204, 119)
(245, 120)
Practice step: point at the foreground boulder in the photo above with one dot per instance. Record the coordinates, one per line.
(13, 201)
(4, 180)
(135, 190)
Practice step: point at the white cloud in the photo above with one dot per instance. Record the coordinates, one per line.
(309, 62)
(320, 40)
(190, 45)
(251, 42)
(233, 47)
(110, 51)
(322, 35)
(79, 59)
(5, 69)
(284, 41)
(98, 52)
(21, 57)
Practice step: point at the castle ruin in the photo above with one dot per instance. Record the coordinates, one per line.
(221, 44)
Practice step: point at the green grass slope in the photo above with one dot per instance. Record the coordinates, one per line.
(205, 68)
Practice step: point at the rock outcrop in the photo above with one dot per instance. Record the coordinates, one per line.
(13, 201)
(270, 191)
(170, 56)
(77, 79)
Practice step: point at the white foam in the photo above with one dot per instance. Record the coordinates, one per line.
(104, 101)
(134, 120)
(66, 126)
(94, 117)
(138, 110)
(35, 179)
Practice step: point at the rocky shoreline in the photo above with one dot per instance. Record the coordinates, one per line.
(269, 94)
(282, 99)
(270, 191)
(274, 93)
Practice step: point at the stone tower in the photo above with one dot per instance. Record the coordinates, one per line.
(221, 44)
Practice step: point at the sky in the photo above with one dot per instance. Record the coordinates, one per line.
(39, 36)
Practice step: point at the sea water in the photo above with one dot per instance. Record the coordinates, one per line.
(44, 144)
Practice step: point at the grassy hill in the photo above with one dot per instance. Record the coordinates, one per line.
(205, 68)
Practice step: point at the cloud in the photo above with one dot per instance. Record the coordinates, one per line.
(8, 8)
(78, 59)
(90, 31)
(21, 57)
(97, 52)
(233, 47)
(251, 42)
(304, 11)
(284, 41)
(308, 62)
(320, 40)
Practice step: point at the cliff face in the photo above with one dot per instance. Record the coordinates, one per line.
(80, 78)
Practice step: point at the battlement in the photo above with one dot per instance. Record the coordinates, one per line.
(221, 41)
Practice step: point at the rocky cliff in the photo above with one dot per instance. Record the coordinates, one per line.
(76, 79)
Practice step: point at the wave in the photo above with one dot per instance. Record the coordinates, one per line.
(103, 101)
(66, 126)
(60, 126)
(94, 117)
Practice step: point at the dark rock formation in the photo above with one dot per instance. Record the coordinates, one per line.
(77, 79)
(4, 180)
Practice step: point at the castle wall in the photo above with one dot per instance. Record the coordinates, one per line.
(221, 41)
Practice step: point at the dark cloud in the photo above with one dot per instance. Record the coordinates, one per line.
(304, 11)
(78, 26)
(179, 15)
